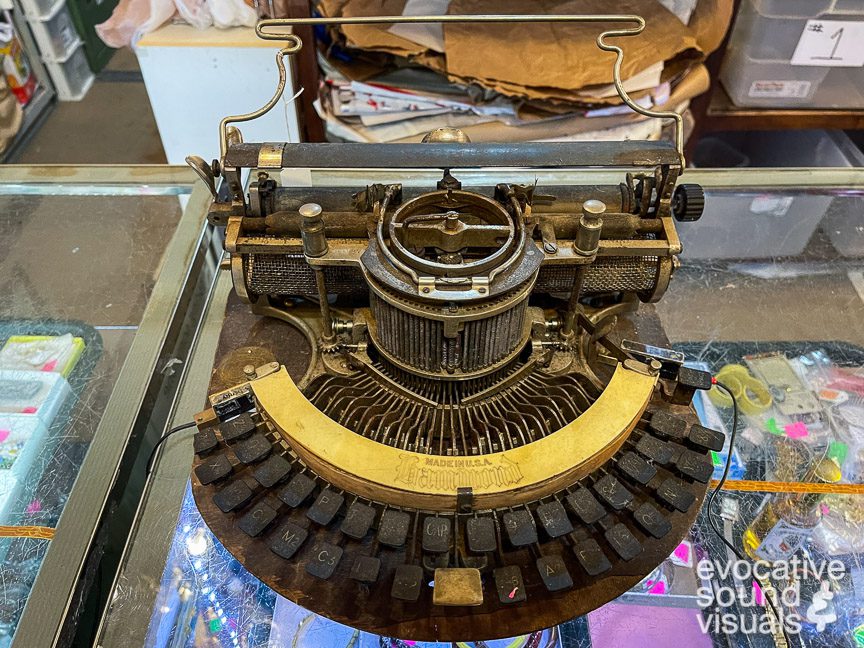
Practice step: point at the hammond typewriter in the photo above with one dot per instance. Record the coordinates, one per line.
(475, 445)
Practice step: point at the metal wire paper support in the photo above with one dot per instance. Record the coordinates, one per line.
(265, 30)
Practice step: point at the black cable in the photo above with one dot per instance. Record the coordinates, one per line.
(162, 440)
(712, 520)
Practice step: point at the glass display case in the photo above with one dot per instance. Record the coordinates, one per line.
(96, 278)
(769, 295)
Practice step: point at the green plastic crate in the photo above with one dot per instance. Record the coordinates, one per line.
(86, 14)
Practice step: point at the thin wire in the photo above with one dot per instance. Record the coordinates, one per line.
(712, 520)
(286, 103)
(162, 440)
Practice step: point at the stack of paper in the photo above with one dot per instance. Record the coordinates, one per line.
(511, 82)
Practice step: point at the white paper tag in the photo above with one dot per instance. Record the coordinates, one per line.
(681, 8)
(831, 43)
(429, 35)
(295, 177)
(771, 205)
(780, 89)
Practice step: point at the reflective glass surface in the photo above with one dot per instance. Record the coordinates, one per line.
(78, 263)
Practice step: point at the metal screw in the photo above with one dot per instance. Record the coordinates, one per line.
(249, 371)
(550, 247)
(452, 220)
(424, 290)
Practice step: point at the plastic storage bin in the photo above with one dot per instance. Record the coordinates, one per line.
(758, 72)
(72, 77)
(754, 225)
(40, 9)
(55, 35)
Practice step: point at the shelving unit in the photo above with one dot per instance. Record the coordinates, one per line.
(42, 102)
(723, 115)
(714, 111)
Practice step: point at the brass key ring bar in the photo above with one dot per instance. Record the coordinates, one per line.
(400, 477)
(264, 31)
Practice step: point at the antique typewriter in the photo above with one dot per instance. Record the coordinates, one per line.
(477, 447)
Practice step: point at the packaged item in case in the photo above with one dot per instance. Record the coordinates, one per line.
(16, 67)
(55, 353)
(9, 492)
(32, 393)
(21, 438)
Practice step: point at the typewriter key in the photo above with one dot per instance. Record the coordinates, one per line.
(358, 520)
(253, 449)
(585, 505)
(256, 519)
(407, 583)
(649, 518)
(436, 534)
(233, 496)
(272, 471)
(481, 534)
(613, 492)
(623, 541)
(288, 539)
(591, 557)
(325, 507)
(554, 519)
(554, 573)
(237, 428)
(323, 560)
(297, 490)
(213, 469)
(674, 492)
(365, 569)
(509, 585)
(393, 528)
(204, 442)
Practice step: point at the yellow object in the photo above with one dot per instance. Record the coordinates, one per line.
(751, 393)
(69, 359)
(36, 532)
(397, 477)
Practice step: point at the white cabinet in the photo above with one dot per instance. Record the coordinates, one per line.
(196, 77)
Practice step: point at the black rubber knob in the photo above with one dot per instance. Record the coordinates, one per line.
(688, 203)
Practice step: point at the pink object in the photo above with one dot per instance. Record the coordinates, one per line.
(845, 381)
(29, 410)
(34, 507)
(645, 626)
(51, 365)
(796, 430)
(659, 588)
(758, 594)
(682, 552)
(4, 434)
(824, 508)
